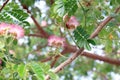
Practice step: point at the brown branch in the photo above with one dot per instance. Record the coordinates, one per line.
(51, 2)
(80, 51)
(4, 5)
(55, 60)
(47, 59)
(57, 57)
(69, 60)
(102, 24)
(65, 63)
(35, 35)
(96, 57)
(42, 32)
(102, 58)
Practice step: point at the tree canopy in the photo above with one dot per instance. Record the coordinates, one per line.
(59, 39)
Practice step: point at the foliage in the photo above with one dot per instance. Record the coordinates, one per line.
(65, 6)
(62, 7)
(24, 59)
(82, 38)
(12, 13)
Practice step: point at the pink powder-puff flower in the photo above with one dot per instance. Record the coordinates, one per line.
(56, 41)
(13, 29)
(44, 23)
(17, 30)
(72, 23)
(3, 28)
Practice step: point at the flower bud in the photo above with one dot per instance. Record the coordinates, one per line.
(66, 18)
(72, 23)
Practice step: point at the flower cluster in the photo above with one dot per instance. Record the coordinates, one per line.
(71, 23)
(56, 41)
(13, 29)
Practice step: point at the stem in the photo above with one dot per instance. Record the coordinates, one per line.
(72, 37)
(4, 5)
(84, 12)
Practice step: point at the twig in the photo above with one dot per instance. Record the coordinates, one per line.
(35, 35)
(4, 5)
(101, 74)
(47, 59)
(101, 58)
(57, 57)
(102, 24)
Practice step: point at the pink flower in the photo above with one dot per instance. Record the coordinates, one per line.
(56, 41)
(14, 29)
(72, 23)
(3, 28)
(17, 30)
(43, 23)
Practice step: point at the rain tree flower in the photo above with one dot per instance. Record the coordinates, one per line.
(43, 23)
(13, 29)
(56, 41)
(72, 23)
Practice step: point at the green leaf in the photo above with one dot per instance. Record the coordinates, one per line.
(53, 76)
(15, 42)
(37, 70)
(12, 13)
(62, 7)
(70, 6)
(45, 67)
(81, 37)
(118, 1)
(87, 46)
(27, 2)
(91, 41)
(15, 67)
(21, 70)
(108, 46)
(2, 44)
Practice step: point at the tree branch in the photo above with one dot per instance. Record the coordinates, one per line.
(69, 60)
(102, 58)
(4, 5)
(102, 24)
(56, 57)
(65, 63)
(94, 56)
(42, 32)
(35, 35)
